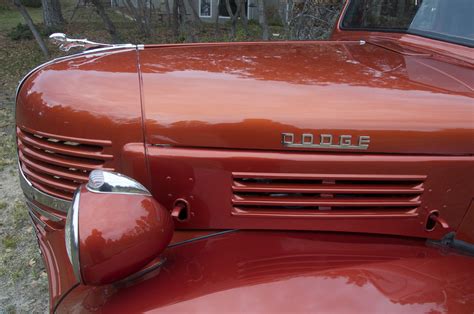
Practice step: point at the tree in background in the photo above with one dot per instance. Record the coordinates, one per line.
(234, 16)
(99, 8)
(244, 17)
(141, 12)
(32, 27)
(52, 15)
(262, 19)
(310, 19)
(185, 21)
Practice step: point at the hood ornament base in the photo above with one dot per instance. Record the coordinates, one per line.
(65, 43)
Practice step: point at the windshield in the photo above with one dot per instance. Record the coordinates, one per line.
(448, 20)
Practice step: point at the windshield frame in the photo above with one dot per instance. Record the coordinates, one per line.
(425, 34)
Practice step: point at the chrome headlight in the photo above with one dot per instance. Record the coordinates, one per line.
(72, 234)
(104, 246)
(101, 181)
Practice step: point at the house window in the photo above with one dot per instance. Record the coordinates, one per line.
(233, 5)
(205, 8)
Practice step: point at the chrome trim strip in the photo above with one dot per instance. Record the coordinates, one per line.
(153, 267)
(37, 220)
(142, 272)
(114, 183)
(44, 199)
(121, 193)
(75, 240)
(38, 210)
(202, 237)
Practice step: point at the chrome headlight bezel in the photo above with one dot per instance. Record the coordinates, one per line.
(102, 181)
(71, 235)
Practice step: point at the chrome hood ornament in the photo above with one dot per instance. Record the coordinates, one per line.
(65, 43)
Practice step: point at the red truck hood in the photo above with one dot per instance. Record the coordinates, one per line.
(244, 96)
(293, 272)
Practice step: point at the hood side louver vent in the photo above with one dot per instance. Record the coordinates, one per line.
(326, 195)
(57, 165)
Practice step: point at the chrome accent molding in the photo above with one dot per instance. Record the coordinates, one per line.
(36, 221)
(160, 263)
(36, 209)
(34, 194)
(101, 181)
(141, 273)
(215, 234)
(72, 235)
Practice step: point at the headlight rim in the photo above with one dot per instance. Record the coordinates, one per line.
(72, 225)
(116, 183)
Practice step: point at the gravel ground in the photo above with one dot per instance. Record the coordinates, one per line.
(23, 280)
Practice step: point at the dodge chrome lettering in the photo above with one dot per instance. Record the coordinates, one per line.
(326, 141)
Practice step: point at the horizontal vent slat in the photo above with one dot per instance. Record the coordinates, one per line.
(287, 194)
(53, 170)
(59, 160)
(52, 191)
(78, 151)
(306, 176)
(277, 201)
(57, 165)
(312, 188)
(86, 141)
(55, 183)
(346, 213)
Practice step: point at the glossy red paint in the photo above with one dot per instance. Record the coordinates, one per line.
(92, 100)
(119, 234)
(195, 121)
(61, 277)
(51, 243)
(268, 272)
(222, 96)
(205, 178)
(268, 89)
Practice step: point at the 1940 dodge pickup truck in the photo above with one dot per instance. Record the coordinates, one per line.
(332, 176)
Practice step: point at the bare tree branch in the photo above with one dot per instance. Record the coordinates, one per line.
(194, 14)
(52, 15)
(262, 19)
(175, 19)
(99, 8)
(216, 26)
(233, 16)
(168, 13)
(243, 15)
(140, 15)
(32, 27)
